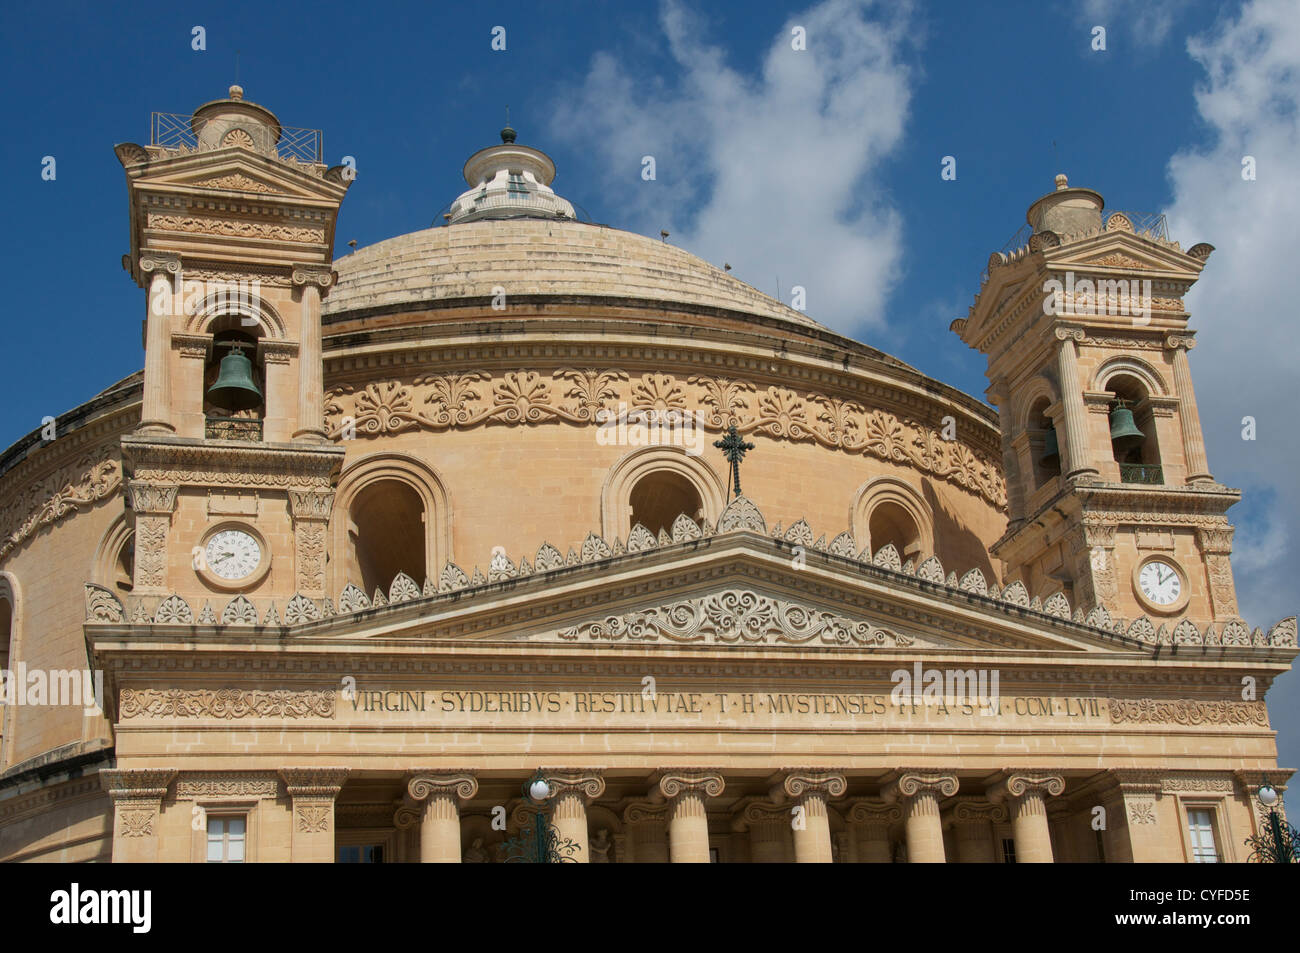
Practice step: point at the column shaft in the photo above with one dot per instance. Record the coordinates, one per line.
(1029, 826)
(311, 385)
(156, 400)
(688, 830)
(570, 820)
(1198, 466)
(924, 829)
(812, 844)
(440, 830)
(1077, 451)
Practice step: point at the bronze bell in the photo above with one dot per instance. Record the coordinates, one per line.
(235, 387)
(1124, 433)
(1051, 448)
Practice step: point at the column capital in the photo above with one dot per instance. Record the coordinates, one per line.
(424, 785)
(1066, 332)
(321, 276)
(759, 812)
(311, 504)
(874, 811)
(313, 782)
(646, 812)
(1175, 342)
(162, 261)
(906, 783)
(975, 811)
(698, 781)
(1138, 780)
(587, 785)
(1251, 781)
(156, 499)
(802, 782)
(1019, 783)
(137, 784)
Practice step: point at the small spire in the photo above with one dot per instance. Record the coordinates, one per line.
(507, 134)
(1061, 181)
(236, 93)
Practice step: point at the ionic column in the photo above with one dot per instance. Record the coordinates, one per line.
(440, 795)
(164, 301)
(571, 793)
(688, 823)
(311, 375)
(1025, 794)
(768, 826)
(871, 820)
(810, 791)
(1198, 466)
(137, 803)
(973, 824)
(1076, 451)
(647, 832)
(918, 793)
(313, 792)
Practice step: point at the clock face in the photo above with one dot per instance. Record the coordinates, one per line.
(232, 554)
(1160, 583)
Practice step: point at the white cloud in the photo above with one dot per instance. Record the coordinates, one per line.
(1244, 305)
(772, 173)
(1146, 23)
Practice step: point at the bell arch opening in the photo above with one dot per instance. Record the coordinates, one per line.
(1134, 442)
(659, 497)
(1044, 444)
(234, 384)
(386, 535)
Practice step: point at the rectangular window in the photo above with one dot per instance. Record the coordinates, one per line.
(1200, 826)
(226, 839)
(1008, 850)
(516, 185)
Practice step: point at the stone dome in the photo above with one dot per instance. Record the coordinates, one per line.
(537, 257)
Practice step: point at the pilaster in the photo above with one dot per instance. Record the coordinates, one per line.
(313, 792)
(137, 797)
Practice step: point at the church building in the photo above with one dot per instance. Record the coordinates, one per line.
(523, 525)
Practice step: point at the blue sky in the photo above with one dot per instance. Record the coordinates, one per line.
(821, 171)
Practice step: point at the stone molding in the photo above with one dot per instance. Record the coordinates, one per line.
(226, 703)
(1183, 711)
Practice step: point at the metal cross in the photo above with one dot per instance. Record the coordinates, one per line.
(733, 448)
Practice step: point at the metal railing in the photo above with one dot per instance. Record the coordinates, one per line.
(1153, 226)
(233, 428)
(1147, 473)
(176, 130)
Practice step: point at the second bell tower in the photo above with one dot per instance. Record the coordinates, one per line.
(1110, 495)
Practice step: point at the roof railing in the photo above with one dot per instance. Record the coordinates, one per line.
(179, 131)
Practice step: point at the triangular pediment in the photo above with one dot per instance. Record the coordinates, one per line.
(1126, 252)
(241, 171)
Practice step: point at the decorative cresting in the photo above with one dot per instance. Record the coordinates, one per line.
(225, 703)
(470, 398)
(688, 825)
(811, 788)
(137, 796)
(738, 616)
(91, 478)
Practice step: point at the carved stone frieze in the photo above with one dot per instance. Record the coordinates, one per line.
(738, 616)
(91, 478)
(1182, 711)
(234, 228)
(472, 398)
(225, 703)
(234, 785)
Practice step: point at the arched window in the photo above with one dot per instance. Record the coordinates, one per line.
(1136, 451)
(1044, 444)
(653, 486)
(386, 534)
(660, 496)
(888, 510)
(234, 412)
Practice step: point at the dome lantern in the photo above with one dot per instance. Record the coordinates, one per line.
(509, 181)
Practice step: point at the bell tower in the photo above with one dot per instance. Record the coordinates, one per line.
(1110, 495)
(232, 222)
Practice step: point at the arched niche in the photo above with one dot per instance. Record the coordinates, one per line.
(114, 565)
(889, 510)
(658, 475)
(388, 490)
